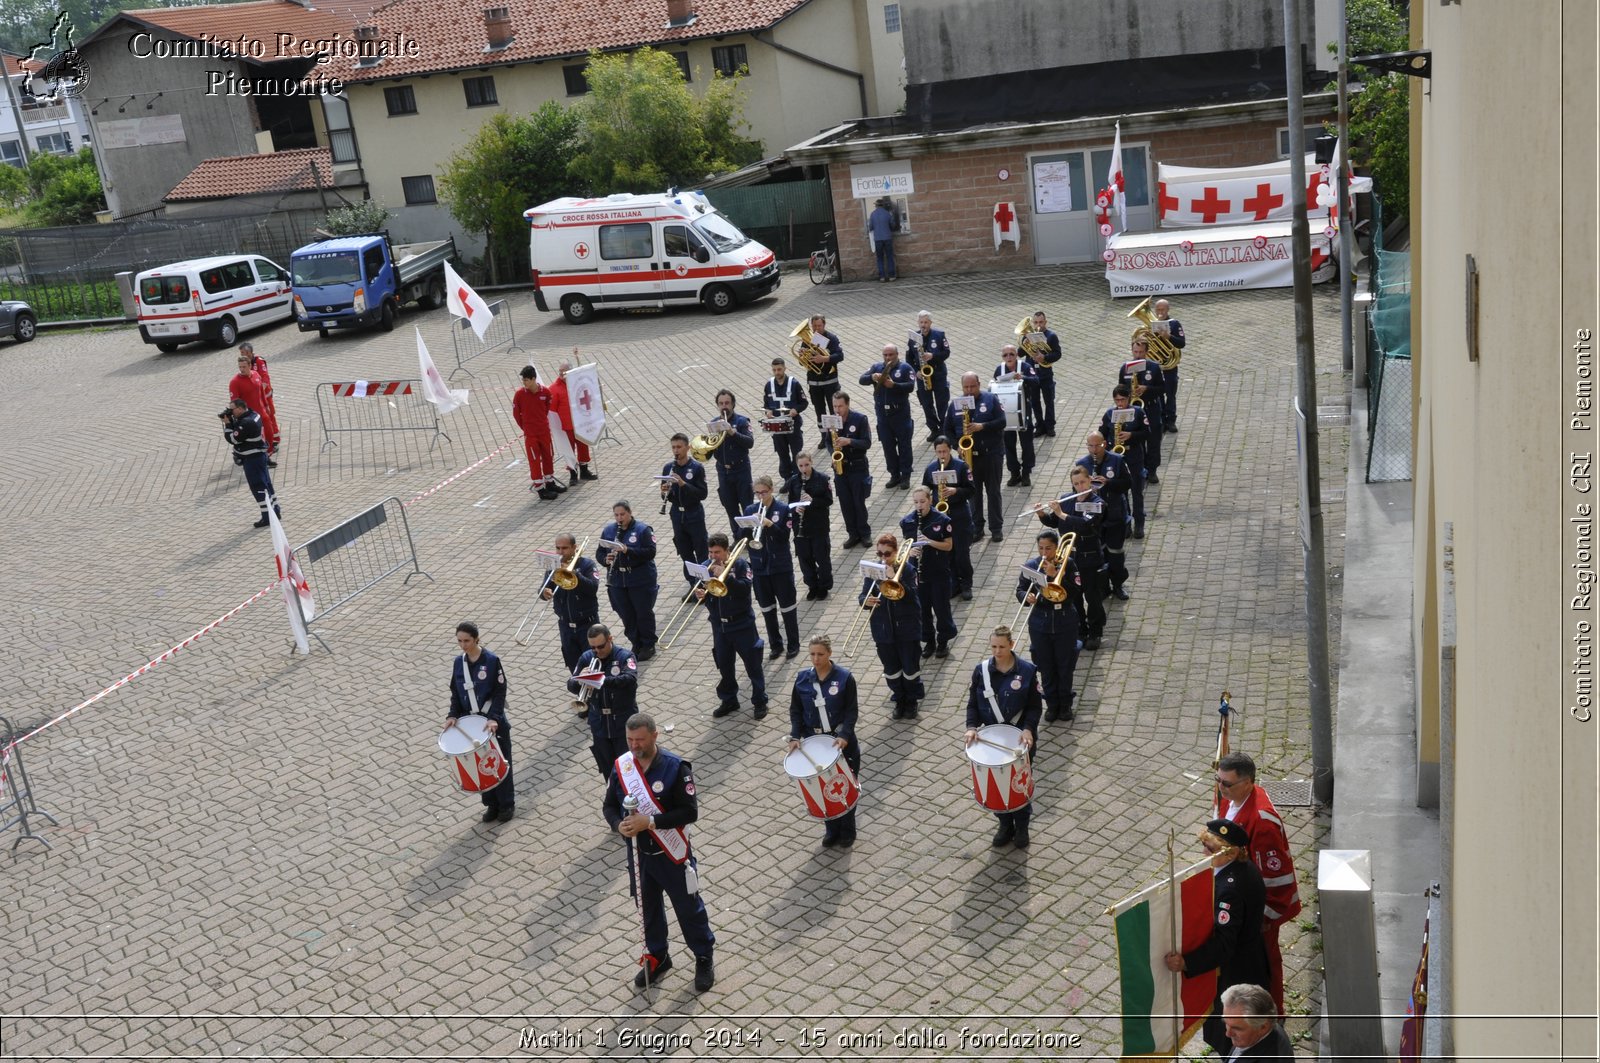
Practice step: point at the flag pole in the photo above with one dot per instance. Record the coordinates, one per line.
(1177, 976)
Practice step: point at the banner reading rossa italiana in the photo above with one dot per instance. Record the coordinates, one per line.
(1207, 260)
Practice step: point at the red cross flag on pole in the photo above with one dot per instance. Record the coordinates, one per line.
(1005, 225)
(1118, 182)
(297, 598)
(464, 302)
(434, 389)
(588, 405)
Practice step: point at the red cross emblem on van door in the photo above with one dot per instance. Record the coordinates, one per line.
(681, 269)
(580, 249)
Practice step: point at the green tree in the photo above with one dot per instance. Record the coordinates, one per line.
(511, 164)
(368, 216)
(1380, 131)
(14, 190)
(642, 130)
(65, 189)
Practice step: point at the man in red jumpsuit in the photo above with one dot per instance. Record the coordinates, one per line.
(1241, 800)
(530, 407)
(247, 385)
(259, 364)
(563, 406)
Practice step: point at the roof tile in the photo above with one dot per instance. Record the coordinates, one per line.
(245, 175)
(259, 22)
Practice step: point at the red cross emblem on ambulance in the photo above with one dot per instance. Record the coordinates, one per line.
(580, 249)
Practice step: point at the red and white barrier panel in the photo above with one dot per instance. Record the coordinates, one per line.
(359, 389)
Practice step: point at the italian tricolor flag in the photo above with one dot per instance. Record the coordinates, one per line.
(1151, 994)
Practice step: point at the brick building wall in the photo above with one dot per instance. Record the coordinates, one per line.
(956, 190)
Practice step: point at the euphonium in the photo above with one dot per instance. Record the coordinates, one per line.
(804, 350)
(1029, 348)
(892, 588)
(1156, 341)
(716, 586)
(966, 443)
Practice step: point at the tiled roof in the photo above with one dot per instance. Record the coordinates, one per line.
(258, 21)
(17, 65)
(245, 175)
(450, 33)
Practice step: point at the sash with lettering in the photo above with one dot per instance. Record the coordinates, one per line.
(674, 840)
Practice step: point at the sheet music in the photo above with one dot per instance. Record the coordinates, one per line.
(592, 680)
(1035, 575)
(832, 422)
(1091, 507)
(748, 522)
(1122, 416)
(965, 402)
(802, 504)
(944, 476)
(874, 570)
(549, 558)
(610, 544)
(696, 570)
(1036, 338)
(662, 479)
(719, 425)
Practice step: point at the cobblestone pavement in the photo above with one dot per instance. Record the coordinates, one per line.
(261, 854)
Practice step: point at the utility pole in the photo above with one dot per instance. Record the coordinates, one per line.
(1347, 220)
(1316, 569)
(16, 108)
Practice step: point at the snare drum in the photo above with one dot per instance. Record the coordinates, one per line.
(776, 425)
(1002, 777)
(474, 754)
(826, 782)
(1009, 394)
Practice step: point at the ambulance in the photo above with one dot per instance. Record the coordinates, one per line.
(643, 250)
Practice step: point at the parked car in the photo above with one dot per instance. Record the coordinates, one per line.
(18, 320)
(359, 281)
(210, 299)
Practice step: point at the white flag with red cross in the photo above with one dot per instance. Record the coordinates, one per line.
(588, 403)
(297, 598)
(1006, 226)
(1118, 182)
(434, 389)
(464, 302)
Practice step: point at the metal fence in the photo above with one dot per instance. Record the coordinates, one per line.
(376, 406)
(789, 217)
(501, 335)
(16, 793)
(1389, 367)
(355, 556)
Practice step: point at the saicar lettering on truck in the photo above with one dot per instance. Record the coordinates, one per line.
(356, 281)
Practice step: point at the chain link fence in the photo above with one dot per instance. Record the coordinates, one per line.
(1389, 377)
(789, 217)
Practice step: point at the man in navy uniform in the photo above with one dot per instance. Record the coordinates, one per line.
(1126, 426)
(824, 703)
(1169, 377)
(773, 566)
(684, 499)
(1005, 689)
(1234, 949)
(241, 427)
(1145, 381)
(1053, 627)
(1011, 368)
(812, 547)
(1110, 476)
(934, 582)
(987, 421)
(631, 580)
(1084, 516)
(896, 625)
(662, 784)
(956, 496)
(732, 459)
(855, 483)
(733, 631)
(578, 609)
(478, 688)
(784, 397)
(928, 346)
(611, 703)
(822, 376)
(1044, 399)
(892, 382)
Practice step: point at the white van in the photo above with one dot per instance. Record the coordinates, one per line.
(635, 250)
(211, 299)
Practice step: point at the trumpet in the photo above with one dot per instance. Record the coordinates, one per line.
(1055, 591)
(1034, 510)
(1035, 349)
(1157, 340)
(804, 349)
(966, 443)
(715, 586)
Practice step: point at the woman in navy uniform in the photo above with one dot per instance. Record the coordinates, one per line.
(928, 346)
(1005, 689)
(773, 566)
(897, 630)
(478, 687)
(1084, 516)
(824, 703)
(614, 701)
(957, 498)
(822, 377)
(855, 483)
(732, 459)
(892, 381)
(1145, 372)
(663, 785)
(784, 397)
(576, 610)
(1011, 368)
(1054, 627)
(1112, 478)
(812, 547)
(733, 630)
(684, 499)
(631, 582)
(933, 571)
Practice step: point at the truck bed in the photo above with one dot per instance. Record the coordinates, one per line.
(416, 260)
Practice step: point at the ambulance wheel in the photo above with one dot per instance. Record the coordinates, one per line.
(433, 298)
(166, 348)
(719, 299)
(386, 317)
(227, 332)
(577, 309)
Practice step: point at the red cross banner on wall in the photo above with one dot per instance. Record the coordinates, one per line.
(1190, 197)
(1006, 225)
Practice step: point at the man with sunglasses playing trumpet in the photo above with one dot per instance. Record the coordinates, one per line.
(896, 624)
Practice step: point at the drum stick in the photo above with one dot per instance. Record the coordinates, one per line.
(1015, 751)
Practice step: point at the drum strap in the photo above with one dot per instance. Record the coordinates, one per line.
(675, 841)
(466, 681)
(988, 692)
(821, 702)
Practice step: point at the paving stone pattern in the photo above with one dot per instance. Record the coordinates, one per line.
(263, 854)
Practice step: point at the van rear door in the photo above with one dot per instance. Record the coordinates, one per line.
(630, 269)
(166, 307)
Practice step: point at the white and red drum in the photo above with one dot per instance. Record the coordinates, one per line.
(474, 754)
(777, 425)
(826, 782)
(1009, 394)
(1002, 778)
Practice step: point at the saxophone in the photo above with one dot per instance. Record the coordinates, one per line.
(838, 456)
(966, 443)
(943, 505)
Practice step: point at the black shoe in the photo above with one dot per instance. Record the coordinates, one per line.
(1016, 478)
(966, 594)
(910, 712)
(271, 464)
(996, 538)
(724, 710)
(830, 840)
(507, 812)
(905, 484)
(572, 477)
(1027, 480)
(846, 840)
(1092, 642)
(585, 474)
(1138, 533)
(927, 651)
(1022, 836)
(651, 970)
(1049, 431)
(705, 975)
(556, 486)
(942, 651)
(262, 523)
(852, 541)
(1003, 836)
(792, 652)
(546, 494)
(237, 460)
(1152, 479)
(490, 815)
(776, 651)
(1052, 714)
(822, 595)
(933, 433)
(1120, 595)
(760, 711)
(1171, 428)
(645, 655)
(811, 594)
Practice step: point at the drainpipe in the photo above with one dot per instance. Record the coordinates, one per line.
(861, 81)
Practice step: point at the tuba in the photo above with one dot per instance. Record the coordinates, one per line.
(1035, 349)
(804, 349)
(1155, 337)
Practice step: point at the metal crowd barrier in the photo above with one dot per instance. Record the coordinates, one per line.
(353, 557)
(500, 336)
(376, 406)
(16, 793)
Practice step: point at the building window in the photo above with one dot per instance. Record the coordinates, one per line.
(627, 241)
(480, 91)
(729, 59)
(899, 204)
(418, 190)
(1312, 133)
(55, 143)
(891, 18)
(683, 65)
(400, 100)
(577, 84)
(11, 151)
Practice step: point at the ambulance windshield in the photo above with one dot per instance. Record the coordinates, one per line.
(720, 233)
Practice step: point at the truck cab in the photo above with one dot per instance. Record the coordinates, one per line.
(358, 281)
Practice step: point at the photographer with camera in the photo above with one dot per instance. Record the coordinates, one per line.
(241, 427)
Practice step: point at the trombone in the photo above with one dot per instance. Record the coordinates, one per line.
(1055, 591)
(564, 576)
(891, 589)
(715, 586)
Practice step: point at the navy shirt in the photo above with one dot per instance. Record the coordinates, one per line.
(986, 411)
(671, 782)
(637, 567)
(582, 603)
(838, 693)
(893, 393)
(855, 441)
(936, 347)
(733, 456)
(689, 495)
(618, 695)
(832, 356)
(812, 521)
(732, 612)
(1018, 694)
(935, 527)
(488, 686)
(1146, 371)
(771, 556)
(960, 491)
(895, 620)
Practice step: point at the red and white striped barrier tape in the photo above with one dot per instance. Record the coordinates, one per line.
(148, 665)
(360, 389)
(442, 484)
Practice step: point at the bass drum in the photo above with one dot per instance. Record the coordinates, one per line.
(1009, 395)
